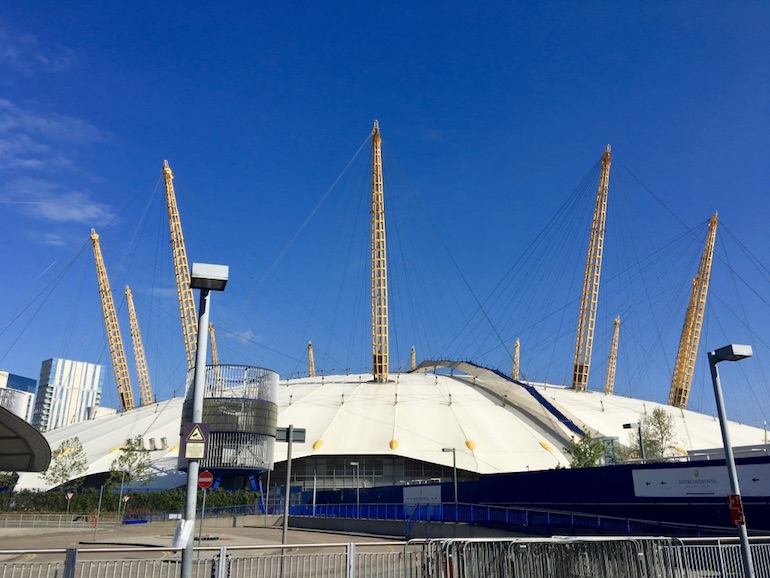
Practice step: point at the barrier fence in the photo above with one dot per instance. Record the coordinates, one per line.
(520, 520)
(585, 557)
(25, 520)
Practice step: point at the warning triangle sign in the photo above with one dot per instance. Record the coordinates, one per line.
(196, 435)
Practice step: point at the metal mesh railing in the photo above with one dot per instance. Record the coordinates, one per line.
(521, 520)
(433, 558)
(238, 381)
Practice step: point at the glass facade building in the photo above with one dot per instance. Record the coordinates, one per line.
(17, 394)
(66, 390)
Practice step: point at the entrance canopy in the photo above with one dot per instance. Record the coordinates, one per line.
(23, 448)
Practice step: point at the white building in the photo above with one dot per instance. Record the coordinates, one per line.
(398, 431)
(17, 394)
(65, 392)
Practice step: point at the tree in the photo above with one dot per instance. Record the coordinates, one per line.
(658, 434)
(132, 464)
(8, 480)
(586, 452)
(68, 462)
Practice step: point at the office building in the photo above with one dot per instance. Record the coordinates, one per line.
(66, 390)
(17, 394)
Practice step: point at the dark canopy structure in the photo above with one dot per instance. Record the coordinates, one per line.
(22, 447)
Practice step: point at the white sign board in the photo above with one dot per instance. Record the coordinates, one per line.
(754, 480)
(183, 533)
(419, 495)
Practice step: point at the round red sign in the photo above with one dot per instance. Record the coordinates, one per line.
(205, 479)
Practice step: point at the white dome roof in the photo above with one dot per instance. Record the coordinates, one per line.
(494, 424)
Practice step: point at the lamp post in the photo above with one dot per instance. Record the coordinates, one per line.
(638, 426)
(454, 474)
(207, 278)
(120, 499)
(358, 484)
(732, 353)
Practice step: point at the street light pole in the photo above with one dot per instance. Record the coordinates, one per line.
(732, 353)
(358, 485)
(287, 492)
(638, 426)
(454, 474)
(205, 278)
(120, 499)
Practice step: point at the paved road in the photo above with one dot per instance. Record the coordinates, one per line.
(21, 544)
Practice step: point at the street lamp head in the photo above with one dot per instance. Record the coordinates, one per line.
(207, 276)
(447, 449)
(630, 426)
(732, 352)
(354, 464)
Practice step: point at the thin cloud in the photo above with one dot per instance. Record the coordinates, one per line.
(73, 207)
(24, 54)
(164, 292)
(247, 336)
(17, 121)
(30, 141)
(53, 239)
(49, 201)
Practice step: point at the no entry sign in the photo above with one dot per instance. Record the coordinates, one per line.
(205, 479)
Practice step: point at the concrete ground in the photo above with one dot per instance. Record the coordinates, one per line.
(26, 544)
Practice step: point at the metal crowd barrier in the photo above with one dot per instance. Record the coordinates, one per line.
(722, 556)
(552, 558)
(587, 557)
(24, 520)
(352, 560)
(559, 557)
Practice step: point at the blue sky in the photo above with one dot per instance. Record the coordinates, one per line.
(493, 115)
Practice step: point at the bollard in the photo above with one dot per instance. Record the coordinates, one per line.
(350, 568)
(69, 562)
(221, 565)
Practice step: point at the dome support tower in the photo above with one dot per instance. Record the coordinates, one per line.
(379, 266)
(142, 372)
(515, 371)
(612, 362)
(310, 360)
(590, 297)
(115, 341)
(181, 271)
(693, 323)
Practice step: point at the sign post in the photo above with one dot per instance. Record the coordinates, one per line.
(125, 500)
(98, 510)
(69, 495)
(289, 434)
(736, 510)
(195, 441)
(205, 480)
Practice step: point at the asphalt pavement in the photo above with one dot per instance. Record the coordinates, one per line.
(160, 535)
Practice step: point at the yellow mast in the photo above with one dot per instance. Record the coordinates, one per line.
(516, 355)
(590, 297)
(379, 266)
(181, 271)
(693, 324)
(117, 353)
(142, 373)
(310, 360)
(612, 362)
(213, 344)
